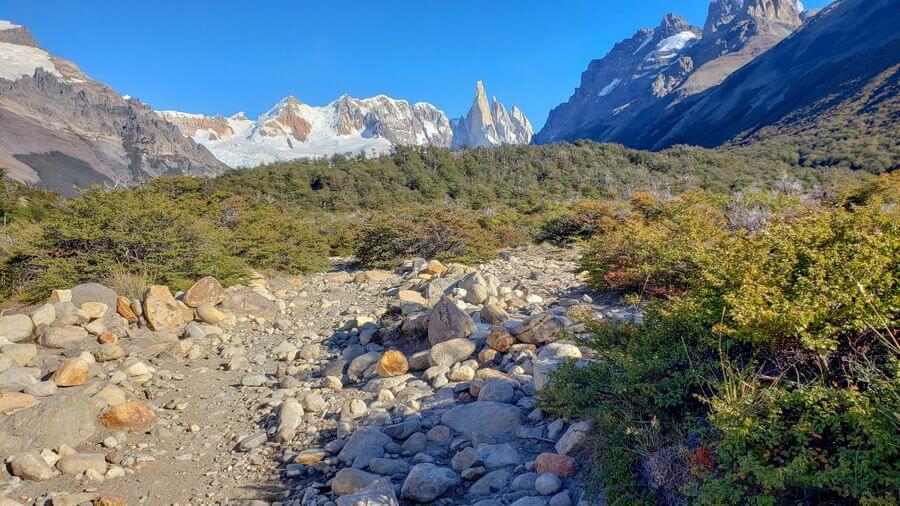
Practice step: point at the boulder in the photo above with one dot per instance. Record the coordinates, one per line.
(55, 421)
(539, 329)
(78, 463)
(351, 480)
(15, 379)
(16, 327)
(550, 358)
(452, 351)
(208, 313)
(93, 292)
(43, 315)
(362, 437)
(125, 309)
(392, 363)
(378, 493)
(30, 466)
(500, 339)
(62, 337)
(560, 465)
(497, 390)
(493, 314)
(207, 289)
(162, 311)
(14, 401)
(434, 268)
(95, 310)
(476, 288)
(131, 415)
(426, 482)
(243, 300)
(447, 321)
(71, 373)
(573, 438)
(373, 276)
(485, 418)
(22, 353)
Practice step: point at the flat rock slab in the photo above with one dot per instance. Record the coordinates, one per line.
(55, 421)
(486, 418)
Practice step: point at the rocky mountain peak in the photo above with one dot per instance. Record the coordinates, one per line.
(490, 124)
(720, 13)
(674, 23)
(19, 35)
(784, 11)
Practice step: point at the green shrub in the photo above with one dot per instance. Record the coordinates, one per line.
(772, 374)
(269, 238)
(448, 235)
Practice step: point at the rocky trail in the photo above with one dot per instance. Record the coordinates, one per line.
(347, 388)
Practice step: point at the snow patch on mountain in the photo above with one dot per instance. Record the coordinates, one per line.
(6, 25)
(18, 61)
(609, 87)
(668, 46)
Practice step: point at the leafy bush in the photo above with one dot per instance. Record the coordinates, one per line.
(772, 374)
(272, 239)
(449, 235)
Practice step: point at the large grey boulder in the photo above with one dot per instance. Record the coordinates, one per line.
(447, 321)
(93, 292)
(55, 421)
(486, 418)
(378, 493)
(16, 327)
(62, 337)
(426, 482)
(451, 351)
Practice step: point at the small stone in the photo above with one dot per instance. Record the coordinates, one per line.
(81, 462)
(125, 309)
(207, 290)
(95, 309)
(500, 339)
(573, 438)
(208, 313)
(131, 415)
(560, 465)
(447, 322)
(547, 484)
(451, 351)
(107, 352)
(493, 314)
(392, 363)
(30, 466)
(351, 480)
(426, 482)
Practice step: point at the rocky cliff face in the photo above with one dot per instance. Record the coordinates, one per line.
(59, 128)
(490, 124)
(659, 67)
(292, 129)
(847, 53)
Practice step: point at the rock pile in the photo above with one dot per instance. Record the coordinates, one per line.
(346, 388)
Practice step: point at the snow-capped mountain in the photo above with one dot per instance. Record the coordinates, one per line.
(59, 128)
(372, 126)
(490, 125)
(664, 65)
(292, 129)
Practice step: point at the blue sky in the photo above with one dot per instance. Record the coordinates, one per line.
(228, 55)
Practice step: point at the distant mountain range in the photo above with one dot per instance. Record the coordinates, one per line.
(292, 129)
(60, 129)
(756, 70)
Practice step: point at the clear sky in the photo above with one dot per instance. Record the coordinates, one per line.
(225, 56)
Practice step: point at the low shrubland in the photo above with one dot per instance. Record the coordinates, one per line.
(765, 369)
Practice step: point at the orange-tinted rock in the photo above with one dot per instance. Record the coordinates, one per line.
(488, 356)
(12, 401)
(132, 415)
(392, 363)
(71, 373)
(208, 289)
(162, 311)
(125, 309)
(560, 465)
(107, 338)
(434, 268)
(500, 339)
